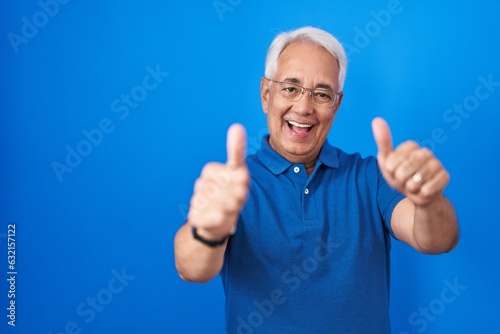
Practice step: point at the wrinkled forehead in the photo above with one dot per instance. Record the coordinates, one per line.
(308, 64)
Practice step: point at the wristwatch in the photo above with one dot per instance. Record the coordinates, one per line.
(210, 243)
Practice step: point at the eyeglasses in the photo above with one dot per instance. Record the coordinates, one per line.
(293, 92)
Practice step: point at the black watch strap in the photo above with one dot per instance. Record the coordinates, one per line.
(210, 243)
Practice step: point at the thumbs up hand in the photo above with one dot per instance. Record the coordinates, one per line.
(412, 170)
(221, 190)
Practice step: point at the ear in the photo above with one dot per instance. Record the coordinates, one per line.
(337, 105)
(264, 94)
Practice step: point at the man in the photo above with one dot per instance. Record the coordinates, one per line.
(300, 231)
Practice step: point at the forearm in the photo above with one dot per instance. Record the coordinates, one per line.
(435, 228)
(196, 262)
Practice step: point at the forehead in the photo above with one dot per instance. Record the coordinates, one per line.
(308, 63)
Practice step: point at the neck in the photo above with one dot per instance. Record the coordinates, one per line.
(308, 160)
(310, 167)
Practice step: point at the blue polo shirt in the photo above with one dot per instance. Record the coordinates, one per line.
(311, 253)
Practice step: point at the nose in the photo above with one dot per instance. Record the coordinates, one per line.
(304, 106)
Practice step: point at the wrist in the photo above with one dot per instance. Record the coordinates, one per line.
(206, 239)
(433, 203)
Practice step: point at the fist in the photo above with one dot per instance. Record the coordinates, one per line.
(412, 170)
(221, 190)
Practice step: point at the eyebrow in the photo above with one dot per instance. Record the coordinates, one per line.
(297, 81)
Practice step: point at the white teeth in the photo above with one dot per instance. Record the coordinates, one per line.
(299, 125)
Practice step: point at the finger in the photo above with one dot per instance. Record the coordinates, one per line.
(236, 145)
(431, 189)
(382, 136)
(430, 173)
(436, 185)
(391, 166)
(399, 157)
(414, 160)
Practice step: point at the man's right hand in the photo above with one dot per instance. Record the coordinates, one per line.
(221, 190)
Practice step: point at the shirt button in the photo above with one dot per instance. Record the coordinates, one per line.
(306, 191)
(296, 169)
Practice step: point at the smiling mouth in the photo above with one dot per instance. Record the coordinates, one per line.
(299, 127)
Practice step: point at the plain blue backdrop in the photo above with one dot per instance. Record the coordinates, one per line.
(110, 110)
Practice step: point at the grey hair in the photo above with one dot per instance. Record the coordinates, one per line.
(306, 35)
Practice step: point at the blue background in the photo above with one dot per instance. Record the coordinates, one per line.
(118, 209)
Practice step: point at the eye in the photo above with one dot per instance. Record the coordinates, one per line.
(323, 96)
(289, 89)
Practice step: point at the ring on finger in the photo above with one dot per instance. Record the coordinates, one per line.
(417, 177)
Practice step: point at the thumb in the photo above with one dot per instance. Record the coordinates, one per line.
(383, 137)
(236, 145)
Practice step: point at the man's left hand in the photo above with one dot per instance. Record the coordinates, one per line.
(412, 170)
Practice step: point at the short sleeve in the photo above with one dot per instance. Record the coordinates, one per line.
(387, 199)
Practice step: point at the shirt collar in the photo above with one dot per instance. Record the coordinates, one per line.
(278, 164)
(329, 155)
